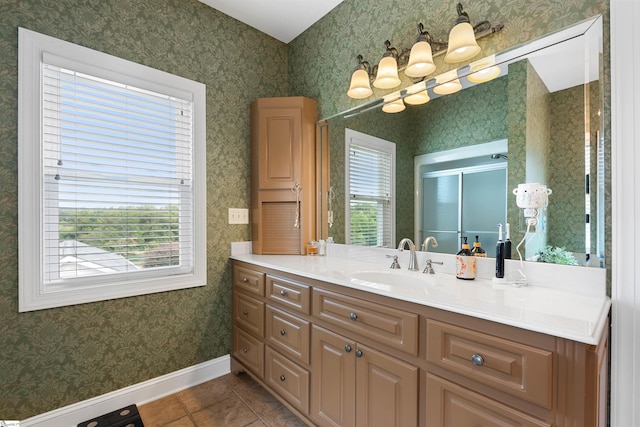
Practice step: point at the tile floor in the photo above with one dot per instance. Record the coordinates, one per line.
(229, 401)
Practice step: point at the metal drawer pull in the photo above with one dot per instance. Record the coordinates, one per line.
(282, 378)
(245, 280)
(283, 332)
(283, 292)
(347, 348)
(358, 353)
(353, 316)
(477, 360)
(245, 312)
(245, 350)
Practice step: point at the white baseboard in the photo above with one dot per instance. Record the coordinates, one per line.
(139, 394)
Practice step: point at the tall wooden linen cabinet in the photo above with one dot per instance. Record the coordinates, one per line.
(283, 189)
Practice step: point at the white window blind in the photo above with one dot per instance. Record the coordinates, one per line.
(117, 177)
(111, 176)
(370, 182)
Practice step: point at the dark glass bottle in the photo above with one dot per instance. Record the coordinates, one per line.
(477, 249)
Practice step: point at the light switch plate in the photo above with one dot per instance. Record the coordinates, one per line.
(238, 216)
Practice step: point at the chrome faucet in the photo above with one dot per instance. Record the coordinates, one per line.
(425, 244)
(394, 264)
(413, 260)
(429, 268)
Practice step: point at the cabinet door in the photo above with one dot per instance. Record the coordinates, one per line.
(386, 390)
(280, 148)
(333, 379)
(449, 405)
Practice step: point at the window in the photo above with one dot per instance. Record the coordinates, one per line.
(370, 188)
(111, 176)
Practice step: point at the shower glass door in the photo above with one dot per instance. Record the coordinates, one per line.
(465, 202)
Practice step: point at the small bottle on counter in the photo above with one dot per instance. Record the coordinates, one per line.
(329, 244)
(312, 248)
(322, 248)
(465, 263)
(477, 249)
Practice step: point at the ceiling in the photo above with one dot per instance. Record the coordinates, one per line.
(281, 19)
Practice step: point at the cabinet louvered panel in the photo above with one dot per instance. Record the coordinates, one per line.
(280, 236)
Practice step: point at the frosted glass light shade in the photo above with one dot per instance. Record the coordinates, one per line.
(447, 83)
(484, 70)
(360, 86)
(420, 60)
(462, 44)
(417, 94)
(417, 98)
(394, 107)
(387, 76)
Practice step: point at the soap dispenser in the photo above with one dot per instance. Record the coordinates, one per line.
(477, 249)
(465, 263)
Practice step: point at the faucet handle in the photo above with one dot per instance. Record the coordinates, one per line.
(429, 268)
(395, 263)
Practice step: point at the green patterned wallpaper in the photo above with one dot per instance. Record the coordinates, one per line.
(51, 358)
(56, 357)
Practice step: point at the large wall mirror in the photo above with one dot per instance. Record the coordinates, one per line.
(539, 121)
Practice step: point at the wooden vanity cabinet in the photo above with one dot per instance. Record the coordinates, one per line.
(283, 197)
(342, 357)
(354, 384)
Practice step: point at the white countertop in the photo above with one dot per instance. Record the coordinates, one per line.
(542, 309)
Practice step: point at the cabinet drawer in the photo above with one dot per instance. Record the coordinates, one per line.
(386, 325)
(291, 294)
(289, 333)
(249, 351)
(249, 280)
(249, 313)
(448, 404)
(287, 379)
(515, 368)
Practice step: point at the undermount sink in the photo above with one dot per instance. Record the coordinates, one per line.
(394, 277)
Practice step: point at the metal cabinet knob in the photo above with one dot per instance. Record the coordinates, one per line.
(358, 353)
(283, 292)
(245, 350)
(477, 360)
(245, 280)
(245, 312)
(353, 316)
(282, 378)
(283, 332)
(347, 348)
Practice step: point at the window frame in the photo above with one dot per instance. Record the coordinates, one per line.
(33, 294)
(378, 144)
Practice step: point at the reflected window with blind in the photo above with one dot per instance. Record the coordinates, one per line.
(119, 190)
(370, 188)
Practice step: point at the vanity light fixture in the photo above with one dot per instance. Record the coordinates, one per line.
(462, 39)
(447, 83)
(484, 70)
(387, 75)
(360, 86)
(421, 57)
(393, 103)
(417, 94)
(417, 62)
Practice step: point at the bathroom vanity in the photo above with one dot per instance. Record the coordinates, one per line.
(345, 342)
